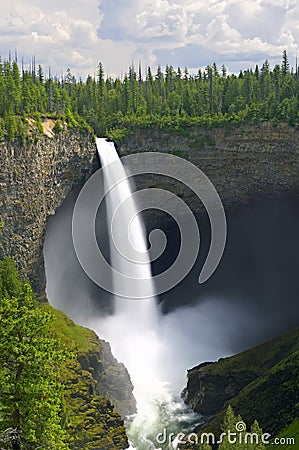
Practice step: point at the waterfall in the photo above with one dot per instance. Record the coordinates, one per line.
(153, 346)
(133, 327)
(133, 330)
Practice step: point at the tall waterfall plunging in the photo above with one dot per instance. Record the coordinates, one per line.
(133, 330)
(197, 323)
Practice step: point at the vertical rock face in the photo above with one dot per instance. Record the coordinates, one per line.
(112, 379)
(35, 179)
(240, 161)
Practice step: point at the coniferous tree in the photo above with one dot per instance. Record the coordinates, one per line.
(173, 96)
(237, 437)
(285, 66)
(31, 398)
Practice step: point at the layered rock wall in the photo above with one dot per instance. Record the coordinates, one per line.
(240, 161)
(35, 179)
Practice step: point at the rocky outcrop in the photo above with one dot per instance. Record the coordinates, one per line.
(261, 384)
(207, 392)
(35, 179)
(93, 421)
(111, 378)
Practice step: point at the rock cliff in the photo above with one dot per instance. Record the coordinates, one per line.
(111, 378)
(35, 179)
(261, 384)
(241, 161)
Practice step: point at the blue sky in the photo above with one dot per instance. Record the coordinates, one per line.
(78, 34)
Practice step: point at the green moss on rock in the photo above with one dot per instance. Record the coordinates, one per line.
(91, 420)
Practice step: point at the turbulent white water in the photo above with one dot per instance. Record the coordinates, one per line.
(133, 330)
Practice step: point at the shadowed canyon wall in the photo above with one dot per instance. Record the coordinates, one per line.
(240, 161)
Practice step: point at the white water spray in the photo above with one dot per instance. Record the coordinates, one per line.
(133, 330)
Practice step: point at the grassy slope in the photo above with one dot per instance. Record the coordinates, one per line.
(260, 358)
(273, 397)
(74, 337)
(292, 431)
(92, 422)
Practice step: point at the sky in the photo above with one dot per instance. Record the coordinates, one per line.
(78, 34)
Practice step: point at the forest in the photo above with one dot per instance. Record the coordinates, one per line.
(169, 98)
(31, 396)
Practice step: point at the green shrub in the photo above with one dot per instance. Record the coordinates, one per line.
(57, 127)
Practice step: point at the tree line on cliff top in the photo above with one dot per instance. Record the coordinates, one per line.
(169, 97)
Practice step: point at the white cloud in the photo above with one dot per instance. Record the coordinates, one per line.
(251, 19)
(58, 37)
(162, 19)
(76, 34)
(219, 31)
(225, 29)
